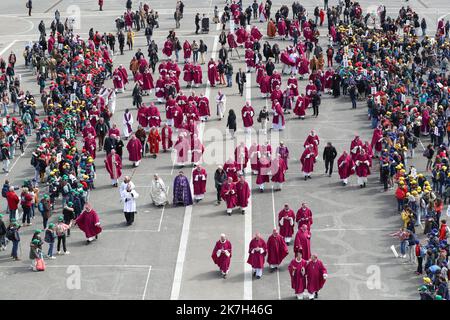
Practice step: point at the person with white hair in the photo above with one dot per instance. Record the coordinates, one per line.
(221, 255)
(129, 196)
(257, 254)
(158, 191)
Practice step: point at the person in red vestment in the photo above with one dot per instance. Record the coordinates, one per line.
(377, 141)
(243, 193)
(213, 74)
(199, 176)
(362, 163)
(278, 170)
(253, 153)
(297, 271)
(89, 222)
(300, 107)
(286, 219)
(228, 194)
(241, 156)
(153, 116)
(307, 160)
(153, 140)
(316, 275)
(247, 116)
(257, 254)
(355, 146)
(90, 144)
(187, 51)
(134, 147)
(264, 168)
(166, 137)
(345, 167)
(182, 147)
(113, 165)
(221, 255)
(313, 139)
(277, 250)
(304, 217)
(231, 169)
(302, 242)
(88, 129)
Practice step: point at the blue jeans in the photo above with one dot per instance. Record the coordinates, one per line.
(5, 110)
(15, 248)
(50, 249)
(229, 80)
(400, 204)
(403, 247)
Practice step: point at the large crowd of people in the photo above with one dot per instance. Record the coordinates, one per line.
(398, 66)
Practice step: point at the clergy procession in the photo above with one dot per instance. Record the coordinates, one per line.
(229, 130)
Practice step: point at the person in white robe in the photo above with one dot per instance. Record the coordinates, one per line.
(220, 102)
(127, 124)
(158, 191)
(129, 196)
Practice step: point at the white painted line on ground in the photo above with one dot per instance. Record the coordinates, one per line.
(7, 47)
(121, 230)
(176, 286)
(394, 251)
(162, 212)
(146, 282)
(248, 286)
(275, 225)
(85, 266)
(18, 158)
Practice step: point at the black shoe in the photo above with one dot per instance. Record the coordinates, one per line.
(306, 178)
(88, 242)
(309, 177)
(364, 184)
(243, 211)
(229, 213)
(316, 295)
(258, 277)
(254, 274)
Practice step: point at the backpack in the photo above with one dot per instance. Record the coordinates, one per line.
(10, 234)
(48, 236)
(41, 207)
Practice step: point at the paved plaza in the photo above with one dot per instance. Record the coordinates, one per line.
(166, 253)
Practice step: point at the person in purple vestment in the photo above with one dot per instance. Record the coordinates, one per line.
(181, 191)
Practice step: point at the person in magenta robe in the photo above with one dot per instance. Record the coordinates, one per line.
(142, 117)
(153, 116)
(255, 33)
(166, 137)
(283, 151)
(264, 170)
(88, 130)
(277, 250)
(199, 176)
(241, 156)
(203, 108)
(89, 222)
(257, 254)
(293, 84)
(278, 172)
(90, 144)
(307, 160)
(182, 147)
(250, 59)
(228, 194)
(316, 275)
(310, 88)
(377, 141)
(313, 139)
(159, 89)
(187, 50)
(247, 113)
(242, 193)
(178, 117)
(213, 74)
(369, 151)
(328, 77)
(362, 164)
(345, 167)
(253, 157)
(304, 217)
(265, 86)
(231, 169)
(232, 43)
(297, 271)
(300, 107)
(302, 242)
(188, 74)
(113, 165)
(276, 94)
(168, 48)
(355, 147)
(278, 121)
(221, 255)
(134, 147)
(197, 74)
(124, 75)
(281, 28)
(286, 218)
(147, 82)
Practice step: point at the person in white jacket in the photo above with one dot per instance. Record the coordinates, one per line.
(129, 196)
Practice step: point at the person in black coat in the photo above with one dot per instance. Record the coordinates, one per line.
(329, 154)
(231, 122)
(270, 67)
(220, 176)
(240, 80)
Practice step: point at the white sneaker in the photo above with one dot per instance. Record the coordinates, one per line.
(52, 258)
(59, 252)
(67, 252)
